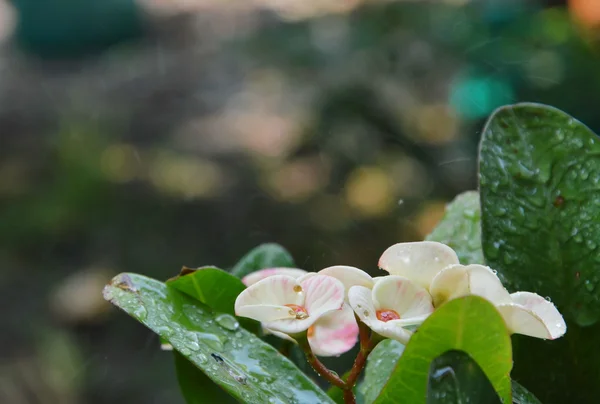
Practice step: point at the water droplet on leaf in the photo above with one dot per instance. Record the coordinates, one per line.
(227, 321)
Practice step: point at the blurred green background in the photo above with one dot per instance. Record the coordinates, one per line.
(143, 135)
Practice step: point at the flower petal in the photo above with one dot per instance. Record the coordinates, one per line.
(484, 282)
(450, 283)
(265, 300)
(322, 294)
(265, 312)
(334, 333)
(534, 316)
(419, 261)
(459, 280)
(394, 329)
(403, 296)
(254, 277)
(279, 334)
(361, 301)
(349, 276)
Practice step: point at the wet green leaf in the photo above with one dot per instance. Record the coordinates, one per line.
(539, 183)
(522, 396)
(247, 368)
(539, 170)
(380, 364)
(470, 324)
(268, 255)
(460, 228)
(455, 378)
(196, 387)
(217, 289)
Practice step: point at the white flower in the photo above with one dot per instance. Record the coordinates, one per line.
(393, 304)
(418, 261)
(349, 276)
(524, 312)
(256, 276)
(282, 303)
(335, 333)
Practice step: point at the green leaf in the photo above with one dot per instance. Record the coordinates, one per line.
(268, 255)
(247, 368)
(460, 228)
(210, 285)
(470, 324)
(383, 360)
(454, 378)
(380, 364)
(539, 169)
(196, 387)
(539, 183)
(215, 288)
(522, 396)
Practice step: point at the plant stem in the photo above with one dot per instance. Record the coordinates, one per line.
(349, 397)
(367, 343)
(321, 369)
(285, 348)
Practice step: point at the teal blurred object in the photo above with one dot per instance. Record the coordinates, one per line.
(73, 28)
(474, 96)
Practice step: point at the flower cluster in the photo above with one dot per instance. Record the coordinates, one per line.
(292, 303)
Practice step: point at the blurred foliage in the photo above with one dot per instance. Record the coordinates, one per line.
(334, 133)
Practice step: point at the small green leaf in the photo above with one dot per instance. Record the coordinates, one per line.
(539, 181)
(264, 256)
(215, 288)
(470, 324)
(196, 387)
(247, 368)
(460, 228)
(454, 378)
(380, 364)
(210, 285)
(522, 396)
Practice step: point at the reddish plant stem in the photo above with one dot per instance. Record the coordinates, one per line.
(366, 346)
(349, 397)
(321, 369)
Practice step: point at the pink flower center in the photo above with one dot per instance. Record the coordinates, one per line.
(299, 311)
(387, 315)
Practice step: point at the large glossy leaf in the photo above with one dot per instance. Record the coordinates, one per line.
(455, 378)
(380, 364)
(470, 324)
(196, 387)
(269, 255)
(243, 365)
(215, 288)
(539, 169)
(460, 228)
(539, 183)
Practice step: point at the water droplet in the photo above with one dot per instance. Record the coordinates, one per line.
(141, 313)
(238, 335)
(202, 358)
(548, 298)
(589, 285)
(495, 272)
(227, 321)
(211, 341)
(590, 244)
(185, 351)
